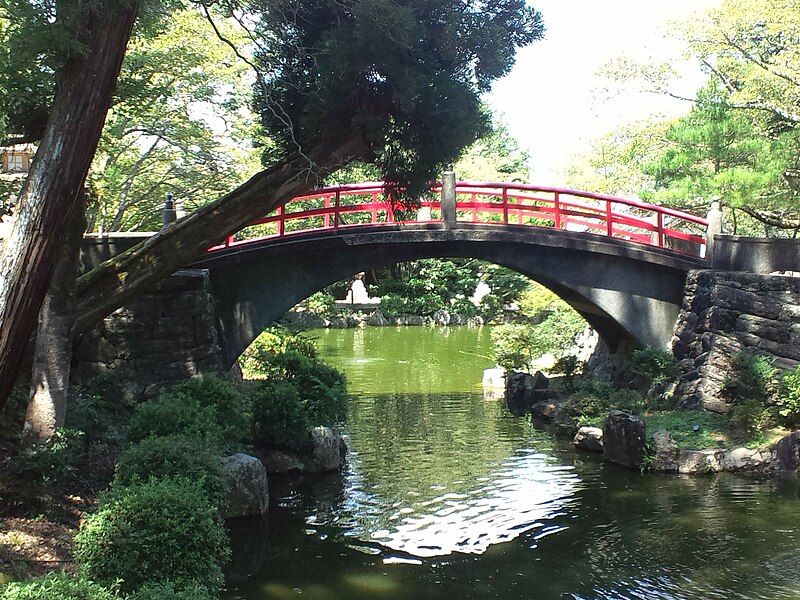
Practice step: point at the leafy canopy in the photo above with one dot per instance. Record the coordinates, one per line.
(400, 77)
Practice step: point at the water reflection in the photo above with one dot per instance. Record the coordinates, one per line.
(448, 496)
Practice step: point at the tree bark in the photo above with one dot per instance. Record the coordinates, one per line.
(54, 340)
(110, 285)
(52, 188)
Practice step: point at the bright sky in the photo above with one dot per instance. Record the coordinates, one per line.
(548, 100)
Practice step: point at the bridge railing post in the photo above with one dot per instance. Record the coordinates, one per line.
(449, 196)
(557, 210)
(714, 227)
(336, 201)
(169, 214)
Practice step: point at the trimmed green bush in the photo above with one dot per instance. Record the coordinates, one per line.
(169, 457)
(168, 415)
(156, 531)
(280, 415)
(168, 591)
(56, 587)
(206, 408)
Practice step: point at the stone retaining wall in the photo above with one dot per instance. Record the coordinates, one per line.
(160, 337)
(724, 313)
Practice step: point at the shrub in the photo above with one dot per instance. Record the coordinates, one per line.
(752, 378)
(654, 365)
(321, 303)
(512, 346)
(56, 587)
(788, 403)
(322, 389)
(168, 591)
(749, 417)
(256, 360)
(569, 366)
(50, 462)
(207, 408)
(156, 531)
(627, 400)
(170, 457)
(167, 415)
(591, 398)
(280, 416)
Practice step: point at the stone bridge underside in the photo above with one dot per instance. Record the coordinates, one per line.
(630, 294)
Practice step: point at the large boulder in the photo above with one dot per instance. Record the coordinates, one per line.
(415, 320)
(665, 452)
(247, 480)
(589, 438)
(524, 390)
(786, 456)
(279, 462)
(494, 383)
(747, 461)
(328, 451)
(338, 323)
(306, 319)
(623, 439)
(442, 317)
(694, 462)
(377, 319)
(475, 321)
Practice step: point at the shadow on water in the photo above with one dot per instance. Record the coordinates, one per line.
(447, 496)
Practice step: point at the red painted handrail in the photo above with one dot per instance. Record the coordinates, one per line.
(364, 204)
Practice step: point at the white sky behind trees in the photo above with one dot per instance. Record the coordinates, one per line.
(551, 101)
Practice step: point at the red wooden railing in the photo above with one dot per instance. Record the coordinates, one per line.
(365, 204)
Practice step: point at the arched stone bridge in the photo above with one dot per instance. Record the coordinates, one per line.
(620, 263)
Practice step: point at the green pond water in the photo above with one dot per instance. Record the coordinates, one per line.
(448, 496)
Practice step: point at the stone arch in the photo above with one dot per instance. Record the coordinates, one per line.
(630, 293)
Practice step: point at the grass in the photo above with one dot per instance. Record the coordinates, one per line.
(713, 430)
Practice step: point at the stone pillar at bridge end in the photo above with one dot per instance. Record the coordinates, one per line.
(714, 219)
(449, 196)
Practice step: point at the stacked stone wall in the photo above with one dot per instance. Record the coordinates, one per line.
(725, 312)
(160, 337)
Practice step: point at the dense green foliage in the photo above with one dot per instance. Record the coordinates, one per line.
(751, 388)
(169, 591)
(553, 327)
(280, 415)
(513, 346)
(155, 531)
(425, 286)
(401, 79)
(653, 365)
(206, 408)
(788, 403)
(169, 457)
(56, 587)
(740, 141)
(298, 390)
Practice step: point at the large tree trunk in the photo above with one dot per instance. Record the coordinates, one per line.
(54, 340)
(56, 179)
(108, 286)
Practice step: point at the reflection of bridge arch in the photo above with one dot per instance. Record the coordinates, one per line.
(630, 292)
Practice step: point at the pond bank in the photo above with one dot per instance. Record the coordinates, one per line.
(646, 443)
